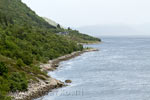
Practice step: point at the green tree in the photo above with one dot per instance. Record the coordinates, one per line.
(58, 26)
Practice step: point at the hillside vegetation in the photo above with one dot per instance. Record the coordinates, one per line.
(25, 41)
(21, 14)
(82, 38)
(73, 34)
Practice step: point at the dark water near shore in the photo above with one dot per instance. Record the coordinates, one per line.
(119, 71)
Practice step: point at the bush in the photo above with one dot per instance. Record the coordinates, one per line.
(4, 97)
(3, 68)
(20, 63)
(18, 81)
(4, 89)
(27, 58)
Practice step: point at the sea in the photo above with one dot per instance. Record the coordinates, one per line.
(120, 70)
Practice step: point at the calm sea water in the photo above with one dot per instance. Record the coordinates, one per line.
(119, 71)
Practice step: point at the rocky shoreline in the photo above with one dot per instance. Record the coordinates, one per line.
(40, 88)
(37, 89)
(53, 64)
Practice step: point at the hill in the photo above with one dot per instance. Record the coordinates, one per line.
(21, 14)
(26, 40)
(74, 35)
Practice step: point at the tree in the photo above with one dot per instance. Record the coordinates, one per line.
(69, 28)
(58, 26)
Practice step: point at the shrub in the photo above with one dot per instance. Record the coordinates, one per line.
(20, 63)
(3, 96)
(3, 68)
(27, 58)
(18, 81)
(4, 89)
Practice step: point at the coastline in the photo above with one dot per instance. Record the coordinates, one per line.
(91, 43)
(40, 88)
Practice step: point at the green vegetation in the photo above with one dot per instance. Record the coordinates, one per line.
(82, 38)
(4, 88)
(74, 34)
(18, 82)
(26, 40)
(21, 14)
(3, 68)
(11, 81)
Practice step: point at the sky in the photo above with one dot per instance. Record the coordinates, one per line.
(80, 14)
(76, 13)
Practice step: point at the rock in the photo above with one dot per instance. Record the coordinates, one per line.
(56, 65)
(68, 81)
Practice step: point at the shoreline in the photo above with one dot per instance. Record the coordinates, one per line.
(53, 64)
(38, 89)
(91, 43)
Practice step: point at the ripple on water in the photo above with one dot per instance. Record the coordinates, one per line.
(119, 71)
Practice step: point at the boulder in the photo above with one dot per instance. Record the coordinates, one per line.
(68, 81)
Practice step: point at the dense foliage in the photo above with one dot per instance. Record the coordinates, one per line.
(30, 45)
(25, 41)
(11, 81)
(18, 82)
(21, 14)
(3, 68)
(27, 46)
(4, 88)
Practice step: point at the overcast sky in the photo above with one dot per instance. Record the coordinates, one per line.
(76, 13)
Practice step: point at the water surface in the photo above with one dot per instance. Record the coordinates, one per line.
(119, 71)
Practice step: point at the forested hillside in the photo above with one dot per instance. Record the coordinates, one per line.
(21, 14)
(25, 41)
